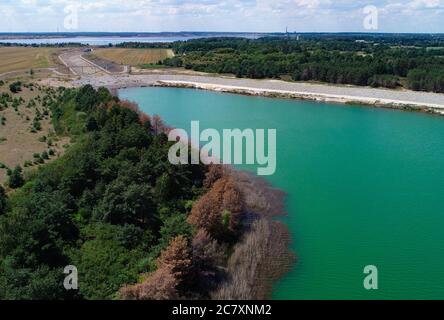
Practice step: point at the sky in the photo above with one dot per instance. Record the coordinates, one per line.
(224, 15)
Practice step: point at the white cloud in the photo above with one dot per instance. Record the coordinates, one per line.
(223, 15)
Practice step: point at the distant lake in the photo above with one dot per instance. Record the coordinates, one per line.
(103, 41)
(365, 187)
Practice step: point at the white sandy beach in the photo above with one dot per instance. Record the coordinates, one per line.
(425, 101)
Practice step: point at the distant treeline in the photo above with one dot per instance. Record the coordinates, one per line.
(416, 62)
(145, 45)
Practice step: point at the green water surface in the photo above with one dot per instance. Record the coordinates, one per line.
(365, 187)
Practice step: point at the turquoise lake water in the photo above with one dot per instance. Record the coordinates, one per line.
(365, 187)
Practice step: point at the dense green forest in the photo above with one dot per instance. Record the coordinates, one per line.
(134, 225)
(109, 206)
(415, 62)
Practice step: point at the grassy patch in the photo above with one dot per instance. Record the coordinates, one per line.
(22, 58)
(134, 57)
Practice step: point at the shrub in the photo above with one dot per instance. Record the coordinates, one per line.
(15, 87)
(37, 126)
(15, 178)
(3, 199)
(27, 163)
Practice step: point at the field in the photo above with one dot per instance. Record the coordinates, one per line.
(134, 57)
(21, 58)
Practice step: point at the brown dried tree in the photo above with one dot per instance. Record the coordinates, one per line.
(214, 173)
(207, 252)
(158, 125)
(174, 265)
(218, 211)
(176, 258)
(160, 285)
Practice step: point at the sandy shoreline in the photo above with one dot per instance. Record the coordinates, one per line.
(322, 97)
(396, 99)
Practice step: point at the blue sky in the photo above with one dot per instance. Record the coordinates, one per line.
(224, 15)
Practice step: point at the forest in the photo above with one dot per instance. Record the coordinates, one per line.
(135, 226)
(415, 62)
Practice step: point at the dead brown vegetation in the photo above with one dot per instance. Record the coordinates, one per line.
(174, 265)
(262, 255)
(219, 210)
(160, 285)
(200, 269)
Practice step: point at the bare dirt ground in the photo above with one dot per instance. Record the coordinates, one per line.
(18, 143)
(78, 65)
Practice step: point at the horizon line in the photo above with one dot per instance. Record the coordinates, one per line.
(218, 32)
